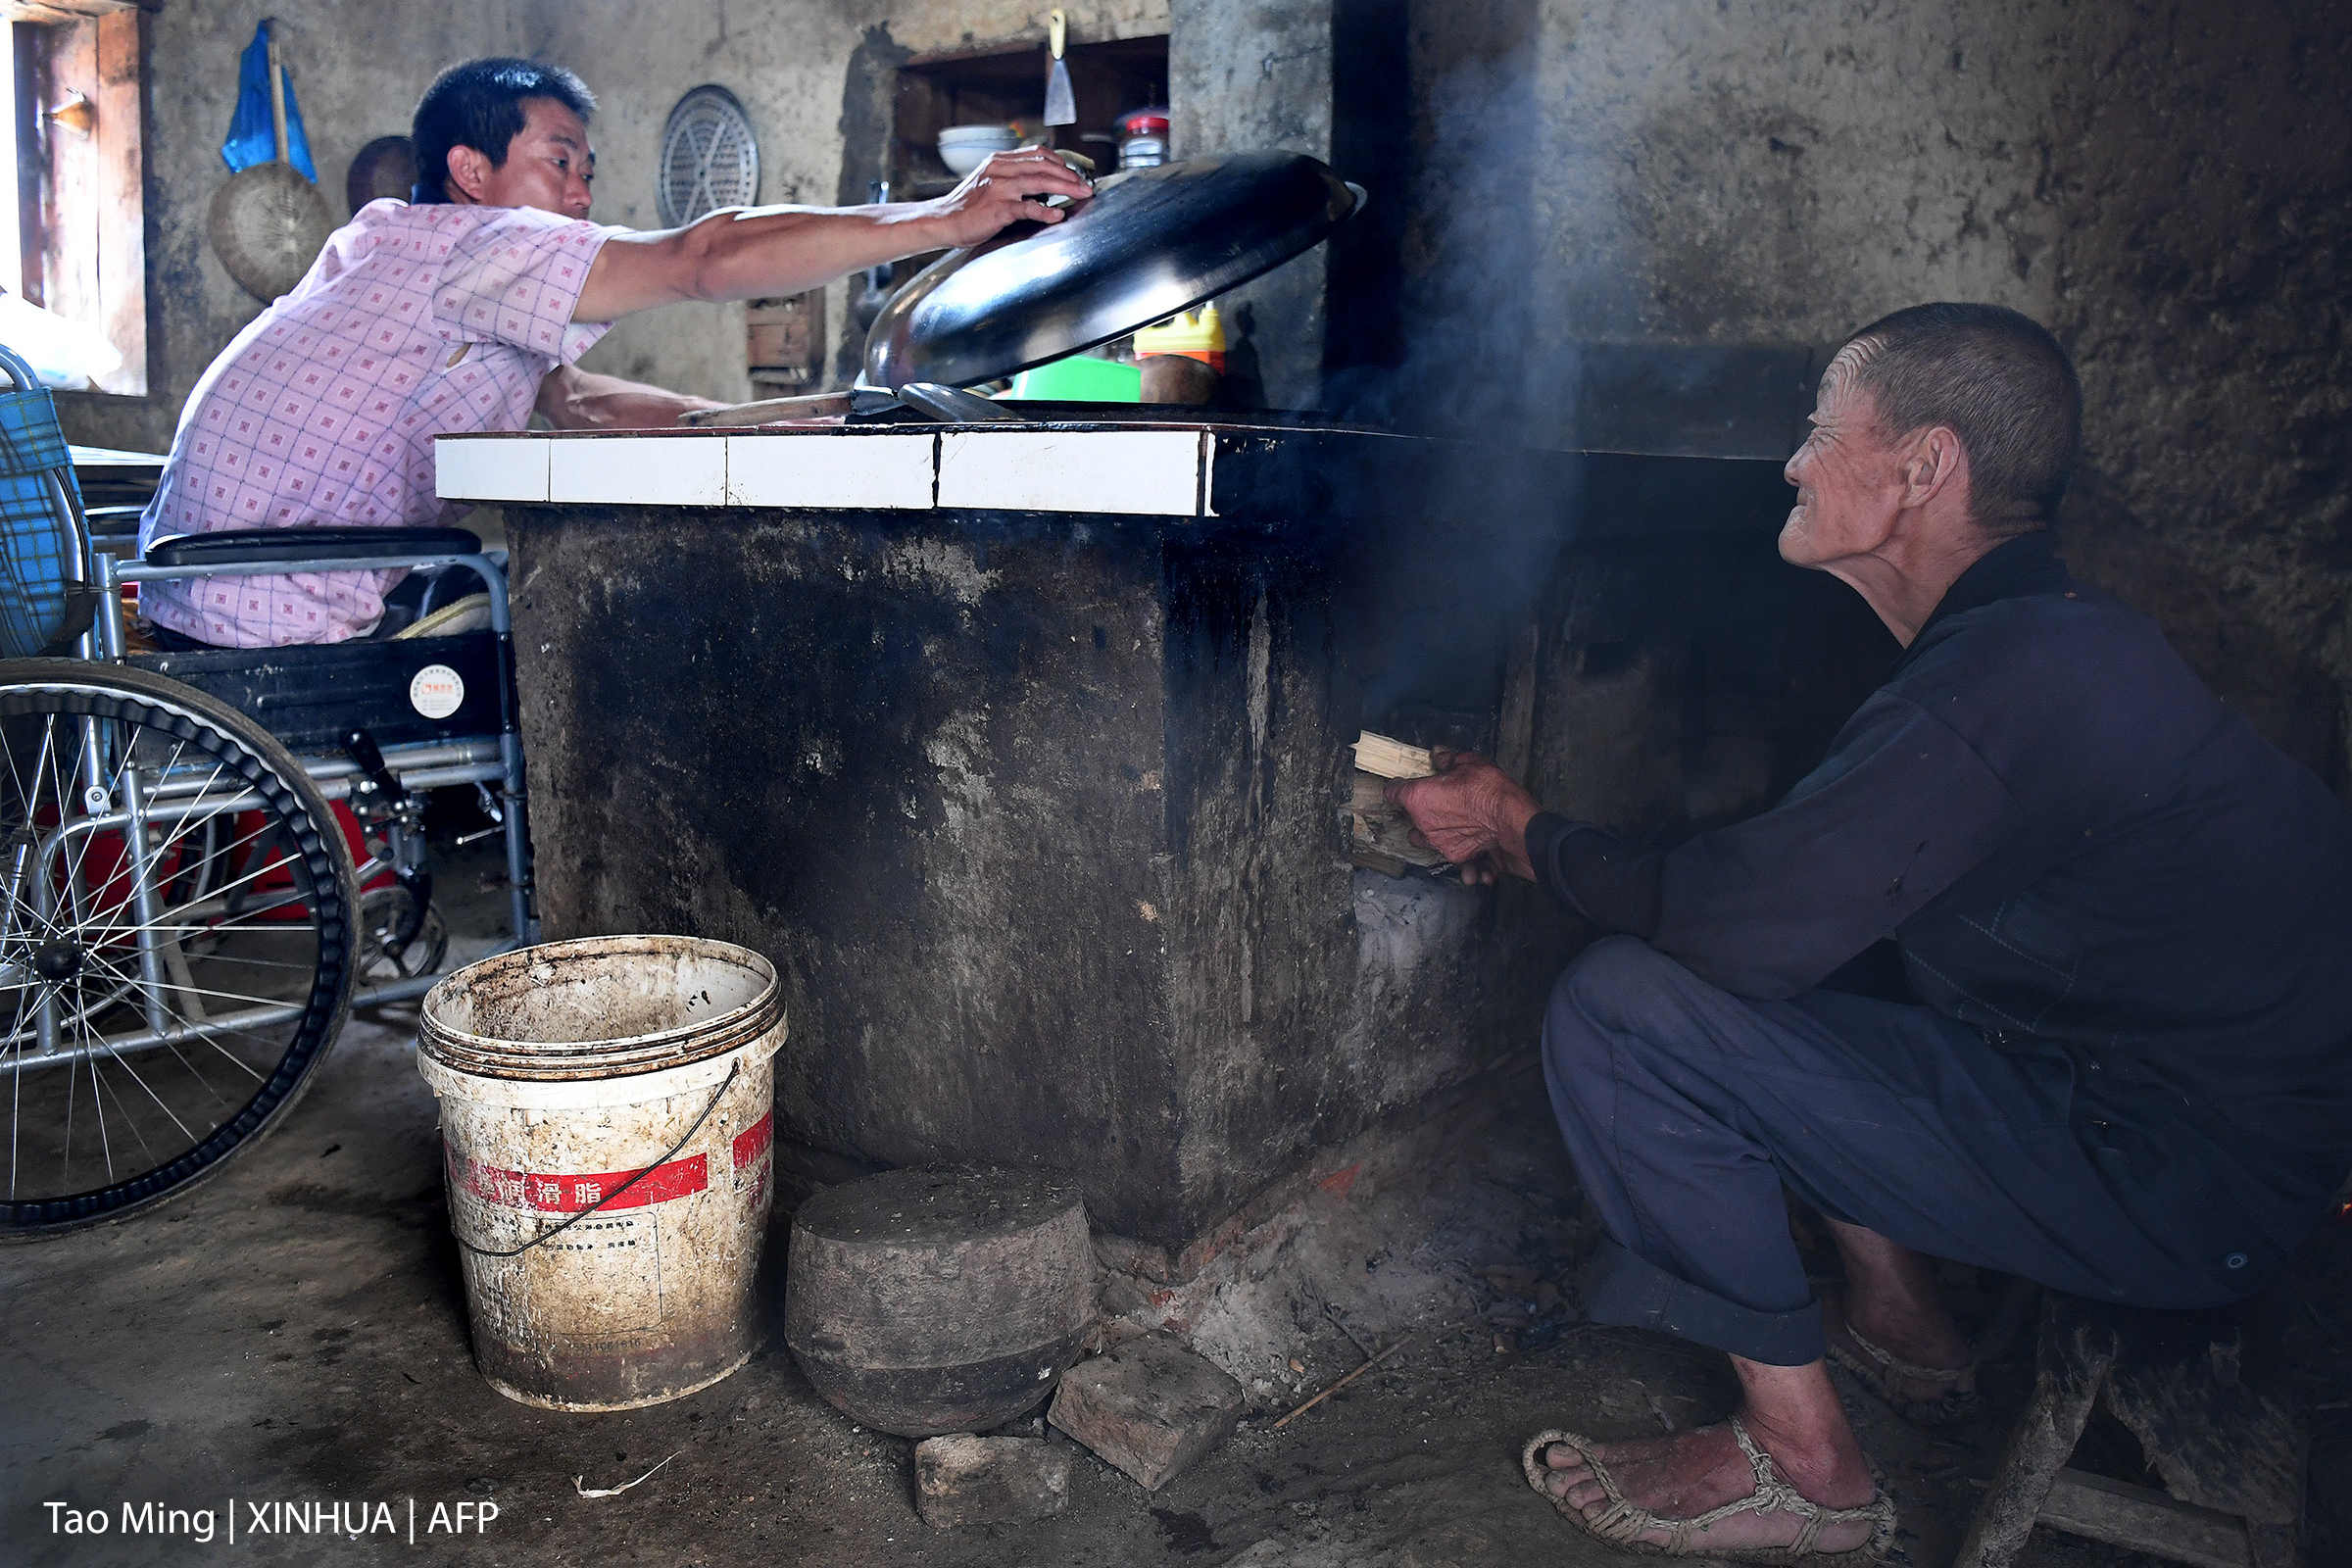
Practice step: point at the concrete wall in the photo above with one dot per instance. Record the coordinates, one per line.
(1627, 220)
(1592, 220)
(1253, 74)
(356, 67)
(784, 62)
(2203, 166)
(1777, 171)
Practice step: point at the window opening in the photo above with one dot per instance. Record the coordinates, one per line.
(74, 241)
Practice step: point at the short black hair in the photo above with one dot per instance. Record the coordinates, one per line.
(479, 105)
(2002, 383)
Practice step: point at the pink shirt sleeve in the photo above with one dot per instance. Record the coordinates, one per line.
(514, 275)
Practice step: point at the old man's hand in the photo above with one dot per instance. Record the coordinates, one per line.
(1472, 813)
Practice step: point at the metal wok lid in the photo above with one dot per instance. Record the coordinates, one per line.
(1149, 242)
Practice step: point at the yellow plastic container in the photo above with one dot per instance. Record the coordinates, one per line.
(1196, 335)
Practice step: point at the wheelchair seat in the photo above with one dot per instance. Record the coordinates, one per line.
(400, 690)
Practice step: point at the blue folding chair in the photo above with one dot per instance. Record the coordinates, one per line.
(45, 600)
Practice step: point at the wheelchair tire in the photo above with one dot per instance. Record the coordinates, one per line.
(155, 1024)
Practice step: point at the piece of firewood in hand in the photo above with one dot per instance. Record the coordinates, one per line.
(1379, 836)
(1391, 759)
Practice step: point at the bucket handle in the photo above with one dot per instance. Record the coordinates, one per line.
(517, 1251)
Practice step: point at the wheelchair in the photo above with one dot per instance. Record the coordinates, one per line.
(185, 926)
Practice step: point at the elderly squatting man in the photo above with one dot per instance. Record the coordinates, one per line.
(2126, 918)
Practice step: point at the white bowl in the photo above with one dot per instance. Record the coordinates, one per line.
(964, 148)
(961, 160)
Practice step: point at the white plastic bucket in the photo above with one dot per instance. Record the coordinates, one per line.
(607, 1116)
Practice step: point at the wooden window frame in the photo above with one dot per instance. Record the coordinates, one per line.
(80, 69)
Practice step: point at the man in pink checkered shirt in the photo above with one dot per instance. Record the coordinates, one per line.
(467, 309)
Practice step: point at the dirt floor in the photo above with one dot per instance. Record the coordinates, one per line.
(295, 1333)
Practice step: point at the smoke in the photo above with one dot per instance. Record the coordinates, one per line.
(1568, 244)
(1435, 328)
(1499, 291)
(1434, 322)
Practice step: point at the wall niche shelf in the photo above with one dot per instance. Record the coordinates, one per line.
(1002, 86)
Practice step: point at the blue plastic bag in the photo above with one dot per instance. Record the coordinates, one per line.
(251, 137)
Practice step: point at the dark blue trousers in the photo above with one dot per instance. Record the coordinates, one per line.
(1688, 1108)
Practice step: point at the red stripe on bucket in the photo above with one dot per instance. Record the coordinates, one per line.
(752, 1147)
(753, 1141)
(569, 1195)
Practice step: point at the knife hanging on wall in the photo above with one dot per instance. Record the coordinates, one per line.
(1061, 104)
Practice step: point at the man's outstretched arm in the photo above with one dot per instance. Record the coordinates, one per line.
(574, 399)
(754, 252)
(1899, 812)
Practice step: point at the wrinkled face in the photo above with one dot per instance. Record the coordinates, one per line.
(1849, 479)
(548, 164)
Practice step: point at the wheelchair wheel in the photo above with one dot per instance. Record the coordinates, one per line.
(176, 938)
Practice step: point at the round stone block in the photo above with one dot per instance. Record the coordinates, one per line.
(936, 1301)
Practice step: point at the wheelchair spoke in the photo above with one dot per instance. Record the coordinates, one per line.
(15, 777)
(118, 932)
(65, 1176)
(201, 1081)
(106, 1146)
(209, 1031)
(247, 961)
(190, 823)
(81, 847)
(206, 1029)
(32, 805)
(167, 928)
(192, 990)
(129, 1121)
(254, 837)
(21, 854)
(186, 824)
(151, 1095)
(112, 931)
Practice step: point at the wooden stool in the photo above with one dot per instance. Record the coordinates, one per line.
(2230, 1454)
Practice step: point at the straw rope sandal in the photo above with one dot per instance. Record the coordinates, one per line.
(1884, 1373)
(1623, 1524)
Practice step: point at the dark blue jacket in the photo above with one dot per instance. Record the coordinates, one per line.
(2075, 843)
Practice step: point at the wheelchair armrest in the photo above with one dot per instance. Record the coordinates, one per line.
(261, 546)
